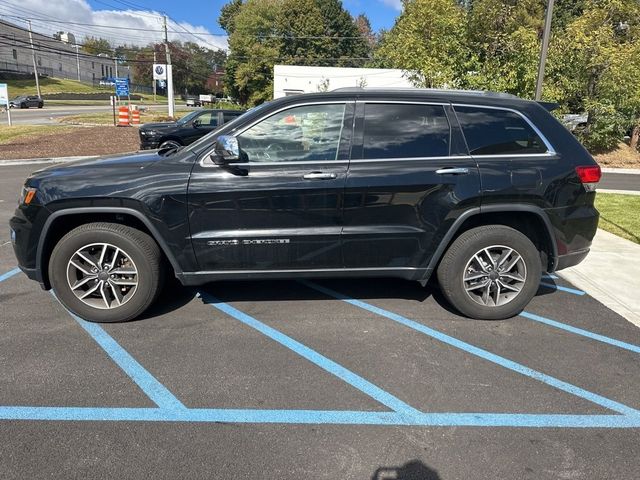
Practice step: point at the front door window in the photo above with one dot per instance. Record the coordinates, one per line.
(306, 133)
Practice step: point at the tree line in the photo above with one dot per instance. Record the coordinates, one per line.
(593, 65)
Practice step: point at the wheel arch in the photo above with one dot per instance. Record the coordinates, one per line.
(62, 221)
(530, 220)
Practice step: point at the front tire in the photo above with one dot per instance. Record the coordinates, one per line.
(490, 272)
(105, 272)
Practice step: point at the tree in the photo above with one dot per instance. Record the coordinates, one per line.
(300, 32)
(428, 41)
(594, 66)
(228, 12)
(364, 27)
(95, 45)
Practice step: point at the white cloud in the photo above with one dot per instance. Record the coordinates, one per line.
(44, 12)
(397, 4)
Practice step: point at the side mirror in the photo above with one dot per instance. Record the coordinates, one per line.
(226, 151)
(196, 123)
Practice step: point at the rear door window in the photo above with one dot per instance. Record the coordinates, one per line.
(498, 132)
(405, 131)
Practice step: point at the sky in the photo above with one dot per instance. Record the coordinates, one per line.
(190, 20)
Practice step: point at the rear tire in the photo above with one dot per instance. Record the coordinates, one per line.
(105, 272)
(490, 272)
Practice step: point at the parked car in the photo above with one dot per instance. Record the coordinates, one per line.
(26, 101)
(185, 131)
(483, 191)
(575, 121)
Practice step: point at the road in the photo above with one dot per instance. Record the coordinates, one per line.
(353, 379)
(620, 181)
(49, 115)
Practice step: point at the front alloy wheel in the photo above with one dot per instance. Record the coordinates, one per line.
(102, 276)
(106, 272)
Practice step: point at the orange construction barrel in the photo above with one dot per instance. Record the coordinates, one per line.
(135, 117)
(123, 116)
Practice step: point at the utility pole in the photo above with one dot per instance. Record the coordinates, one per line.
(78, 60)
(168, 69)
(115, 61)
(35, 64)
(543, 51)
(153, 79)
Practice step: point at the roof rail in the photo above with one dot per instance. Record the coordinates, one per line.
(454, 91)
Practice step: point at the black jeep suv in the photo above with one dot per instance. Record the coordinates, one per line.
(185, 131)
(485, 190)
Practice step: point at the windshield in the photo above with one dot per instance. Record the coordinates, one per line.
(190, 116)
(228, 127)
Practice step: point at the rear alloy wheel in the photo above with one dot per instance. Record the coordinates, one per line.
(490, 272)
(106, 272)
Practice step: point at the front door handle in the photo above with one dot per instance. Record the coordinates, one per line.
(452, 171)
(320, 176)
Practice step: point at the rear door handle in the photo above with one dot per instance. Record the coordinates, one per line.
(452, 171)
(320, 176)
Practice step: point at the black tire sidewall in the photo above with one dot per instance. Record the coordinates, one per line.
(147, 277)
(450, 273)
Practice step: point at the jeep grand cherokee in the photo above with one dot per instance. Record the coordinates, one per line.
(484, 190)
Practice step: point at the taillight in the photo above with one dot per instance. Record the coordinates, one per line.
(589, 176)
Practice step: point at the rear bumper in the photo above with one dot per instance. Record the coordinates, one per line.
(571, 259)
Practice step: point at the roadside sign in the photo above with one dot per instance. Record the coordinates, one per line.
(122, 86)
(159, 71)
(4, 99)
(206, 98)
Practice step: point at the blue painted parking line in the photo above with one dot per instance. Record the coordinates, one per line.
(580, 331)
(563, 289)
(147, 382)
(319, 417)
(314, 357)
(9, 274)
(479, 352)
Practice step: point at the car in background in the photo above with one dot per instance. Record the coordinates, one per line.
(575, 121)
(186, 130)
(26, 101)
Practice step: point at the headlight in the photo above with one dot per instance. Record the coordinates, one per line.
(27, 195)
(149, 133)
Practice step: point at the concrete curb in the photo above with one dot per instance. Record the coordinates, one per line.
(35, 161)
(619, 192)
(627, 171)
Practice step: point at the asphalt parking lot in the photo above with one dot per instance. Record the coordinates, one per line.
(330, 379)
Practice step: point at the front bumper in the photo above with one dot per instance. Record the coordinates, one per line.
(25, 239)
(149, 143)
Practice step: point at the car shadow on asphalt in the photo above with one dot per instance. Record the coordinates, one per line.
(176, 296)
(413, 470)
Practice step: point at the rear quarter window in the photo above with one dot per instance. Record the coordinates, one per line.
(498, 132)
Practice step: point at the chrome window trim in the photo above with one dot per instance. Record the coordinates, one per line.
(413, 159)
(237, 132)
(550, 150)
(283, 164)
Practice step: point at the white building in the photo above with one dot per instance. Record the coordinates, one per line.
(293, 80)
